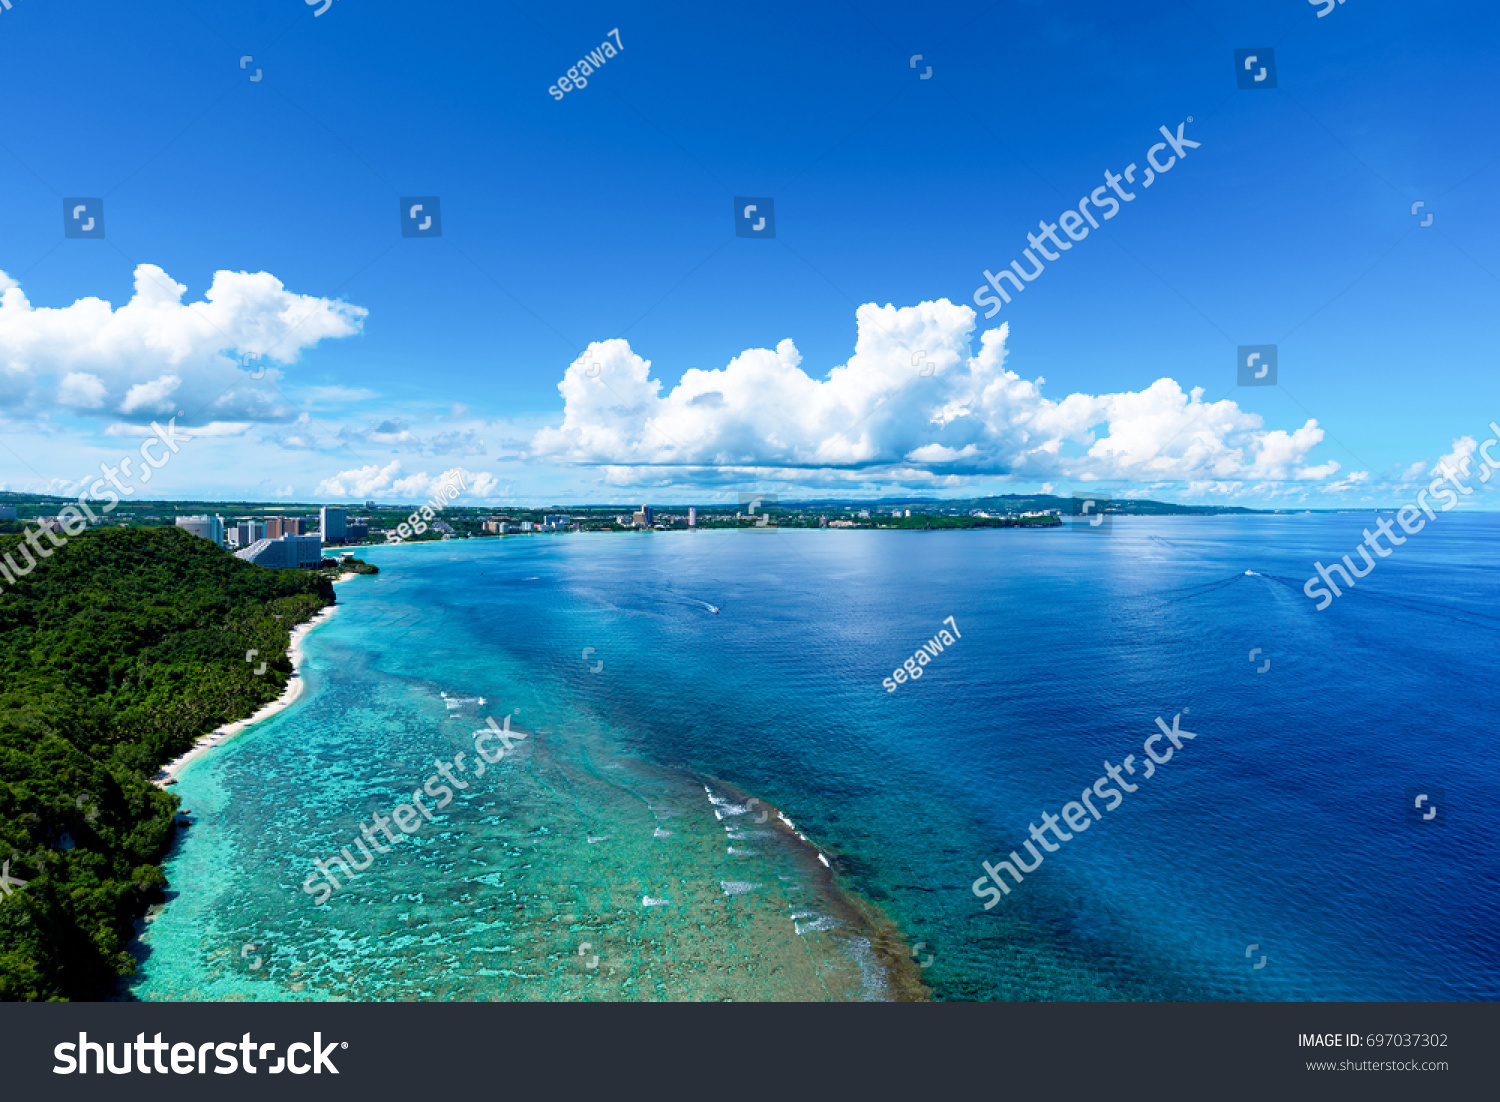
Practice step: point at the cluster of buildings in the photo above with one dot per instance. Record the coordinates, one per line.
(646, 517)
(277, 542)
(500, 526)
(45, 524)
(245, 532)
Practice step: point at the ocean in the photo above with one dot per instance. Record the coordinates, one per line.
(732, 805)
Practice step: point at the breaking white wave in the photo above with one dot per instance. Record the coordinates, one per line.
(821, 922)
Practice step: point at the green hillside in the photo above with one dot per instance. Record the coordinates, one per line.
(116, 653)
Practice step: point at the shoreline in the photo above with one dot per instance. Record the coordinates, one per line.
(850, 950)
(172, 769)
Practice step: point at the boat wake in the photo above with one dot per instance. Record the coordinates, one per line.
(696, 603)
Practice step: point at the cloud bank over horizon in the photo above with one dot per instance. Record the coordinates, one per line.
(391, 479)
(913, 407)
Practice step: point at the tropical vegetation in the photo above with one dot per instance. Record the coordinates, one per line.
(117, 652)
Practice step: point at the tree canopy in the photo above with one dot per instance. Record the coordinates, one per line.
(117, 653)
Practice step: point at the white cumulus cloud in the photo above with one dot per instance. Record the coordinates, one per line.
(1461, 458)
(392, 481)
(913, 405)
(157, 354)
(81, 390)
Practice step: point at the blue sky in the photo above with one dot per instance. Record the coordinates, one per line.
(608, 216)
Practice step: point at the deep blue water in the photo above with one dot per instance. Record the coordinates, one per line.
(1283, 824)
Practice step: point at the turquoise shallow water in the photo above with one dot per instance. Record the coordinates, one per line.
(592, 862)
(575, 867)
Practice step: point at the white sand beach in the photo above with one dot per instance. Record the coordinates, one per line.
(293, 690)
